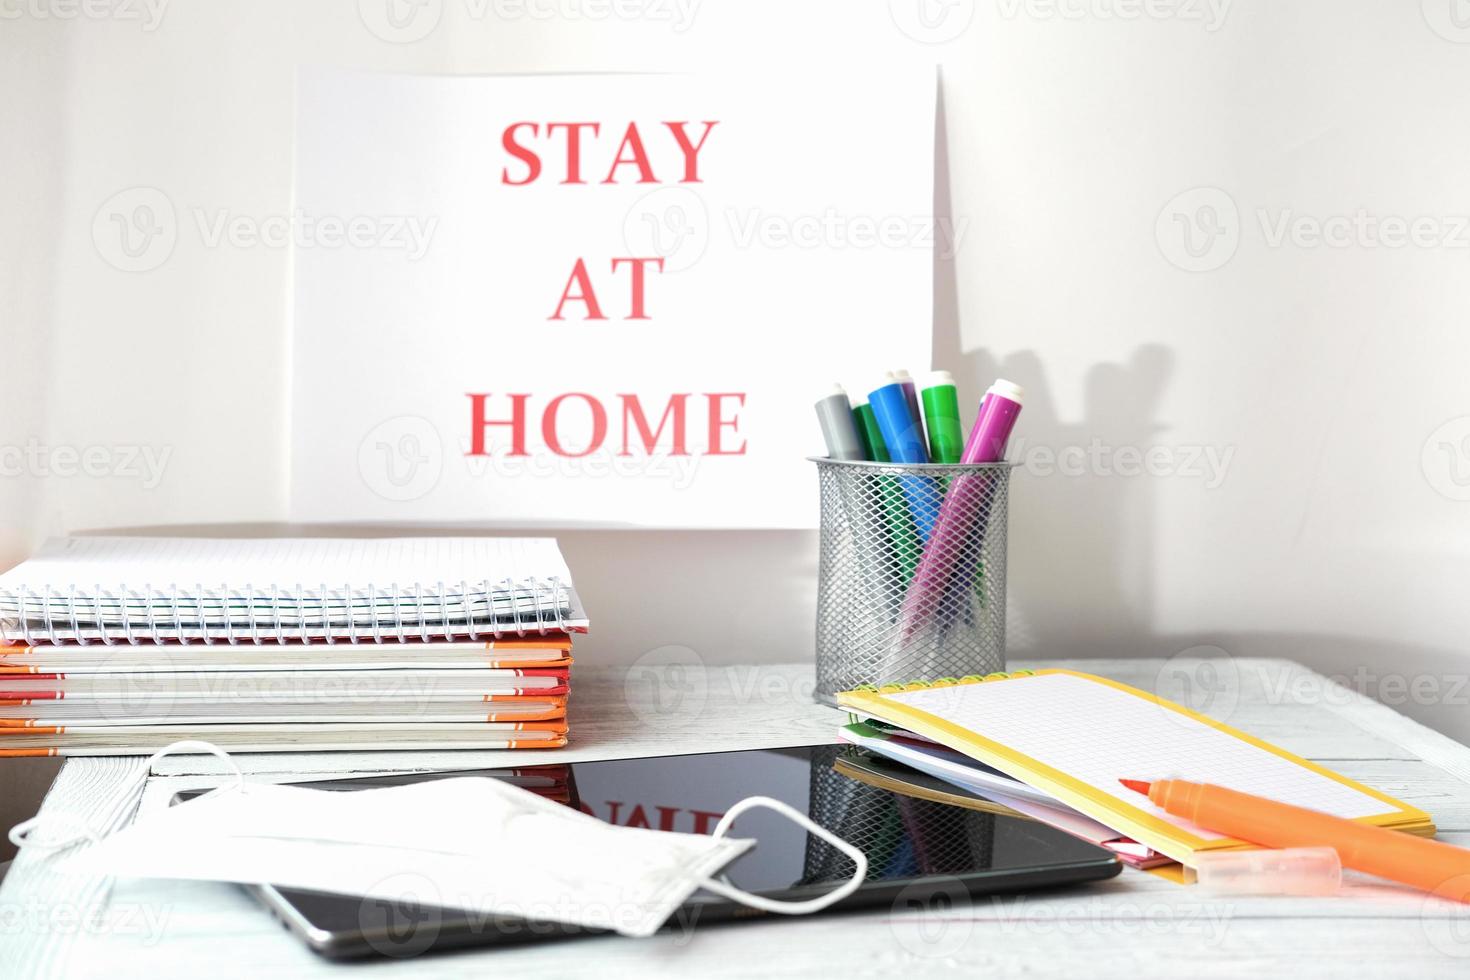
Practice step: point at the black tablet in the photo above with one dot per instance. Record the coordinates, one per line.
(921, 853)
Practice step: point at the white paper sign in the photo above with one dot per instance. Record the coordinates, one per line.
(603, 299)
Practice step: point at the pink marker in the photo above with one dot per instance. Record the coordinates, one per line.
(939, 587)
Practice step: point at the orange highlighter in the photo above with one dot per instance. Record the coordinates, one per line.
(1431, 865)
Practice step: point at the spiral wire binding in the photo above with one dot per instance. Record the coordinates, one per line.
(233, 615)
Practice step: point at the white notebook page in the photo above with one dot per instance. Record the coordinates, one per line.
(117, 564)
(1099, 734)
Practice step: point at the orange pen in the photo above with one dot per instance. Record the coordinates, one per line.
(1431, 865)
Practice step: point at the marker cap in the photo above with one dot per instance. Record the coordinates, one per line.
(1287, 871)
(1008, 390)
(934, 379)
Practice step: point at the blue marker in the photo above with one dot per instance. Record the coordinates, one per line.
(911, 392)
(901, 432)
(905, 441)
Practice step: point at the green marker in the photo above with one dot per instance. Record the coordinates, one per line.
(904, 536)
(867, 425)
(942, 417)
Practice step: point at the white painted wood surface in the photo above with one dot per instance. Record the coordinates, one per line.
(54, 923)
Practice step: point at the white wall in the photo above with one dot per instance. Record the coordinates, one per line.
(1319, 373)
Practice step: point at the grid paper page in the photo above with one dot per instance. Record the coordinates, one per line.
(118, 564)
(1099, 734)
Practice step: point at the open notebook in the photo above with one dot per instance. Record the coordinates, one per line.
(287, 589)
(1074, 736)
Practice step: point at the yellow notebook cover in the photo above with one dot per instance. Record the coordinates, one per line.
(1074, 735)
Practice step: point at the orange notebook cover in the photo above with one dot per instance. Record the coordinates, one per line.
(553, 650)
(309, 737)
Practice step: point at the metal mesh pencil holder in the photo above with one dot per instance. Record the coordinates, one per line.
(912, 584)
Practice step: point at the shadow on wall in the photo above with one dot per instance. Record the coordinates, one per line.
(1088, 536)
(1081, 569)
(1071, 527)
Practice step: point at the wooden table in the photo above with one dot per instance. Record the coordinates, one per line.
(54, 922)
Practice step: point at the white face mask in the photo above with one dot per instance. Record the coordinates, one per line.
(471, 843)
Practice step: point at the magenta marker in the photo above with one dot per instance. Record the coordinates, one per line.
(998, 411)
(939, 586)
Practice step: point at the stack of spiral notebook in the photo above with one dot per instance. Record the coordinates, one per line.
(114, 646)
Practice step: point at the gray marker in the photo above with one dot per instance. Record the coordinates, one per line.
(839, 430)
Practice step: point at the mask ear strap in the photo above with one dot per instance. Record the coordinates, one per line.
(773, 905)
(21, 835)
(199, 745)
